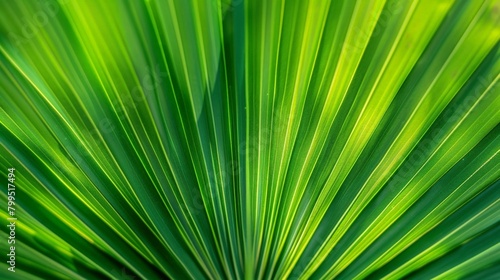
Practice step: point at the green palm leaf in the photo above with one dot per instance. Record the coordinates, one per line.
(232, 139)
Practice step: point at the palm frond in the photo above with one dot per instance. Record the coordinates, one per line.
(251, 139)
